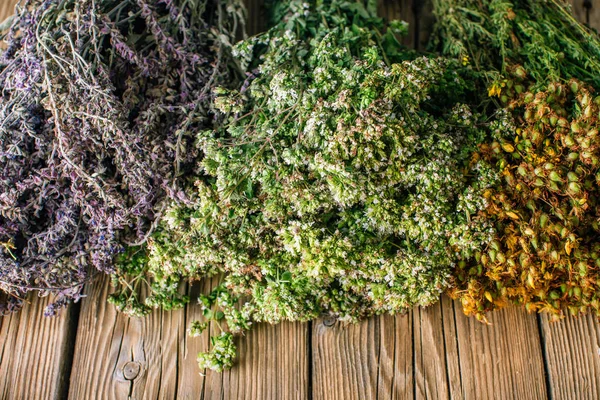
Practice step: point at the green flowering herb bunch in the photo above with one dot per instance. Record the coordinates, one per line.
(341, 182)
(542, 36)
(338, 177)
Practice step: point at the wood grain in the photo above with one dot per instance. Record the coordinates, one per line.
(363, 360)
(118, 357)
(401, 10)
(584, 15)
(501, 360)
(437, 369)
(256, 16)
(454, 378)
(36, 352)
(7, 8)
(395, 370)
(430, 353)
(572, 348)
(273, 364)
(388, 357)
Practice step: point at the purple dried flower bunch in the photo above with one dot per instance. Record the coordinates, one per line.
(100, 100)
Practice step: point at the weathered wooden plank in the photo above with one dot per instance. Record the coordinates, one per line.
(572, 347)
(594, 15)
(256, 16)
(191, 384)
(585, 14)
(389, 357)
(426, 21)
(401, 10)
(437, 370)
(501, 360)
(152, 357)
(453, 357)
(117, 357)
(430, 354)
(367, 360)
(7, 8)
(451, 349)
(273, 364)
(395, 369)
(36, 352)
(386, 357)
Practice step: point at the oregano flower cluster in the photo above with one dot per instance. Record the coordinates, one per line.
(339, 182)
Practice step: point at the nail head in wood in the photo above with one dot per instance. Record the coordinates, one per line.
(131, 370)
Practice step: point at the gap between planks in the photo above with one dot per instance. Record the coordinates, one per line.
(36, 352)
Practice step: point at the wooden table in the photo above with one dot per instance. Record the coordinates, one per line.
(92, 352)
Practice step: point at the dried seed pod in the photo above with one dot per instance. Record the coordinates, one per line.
(549, 231)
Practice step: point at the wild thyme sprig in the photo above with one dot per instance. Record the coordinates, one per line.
(100, 103)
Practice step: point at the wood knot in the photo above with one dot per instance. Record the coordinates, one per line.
(131, 370)
(329, 321)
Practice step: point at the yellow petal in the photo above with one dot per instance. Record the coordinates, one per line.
(568, 247)
(509, 148)
(512, 215)
(488, 296)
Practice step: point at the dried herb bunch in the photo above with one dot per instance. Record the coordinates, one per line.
(100, 102)
(542, 36)
(546, 254)
(542, 65)
(339, 184)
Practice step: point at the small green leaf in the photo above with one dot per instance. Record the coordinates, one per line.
(249, 189)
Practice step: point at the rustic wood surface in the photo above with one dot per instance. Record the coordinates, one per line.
(587, 12)
(572, 349)
(92, 352)
(36, 352)
(7, 8)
